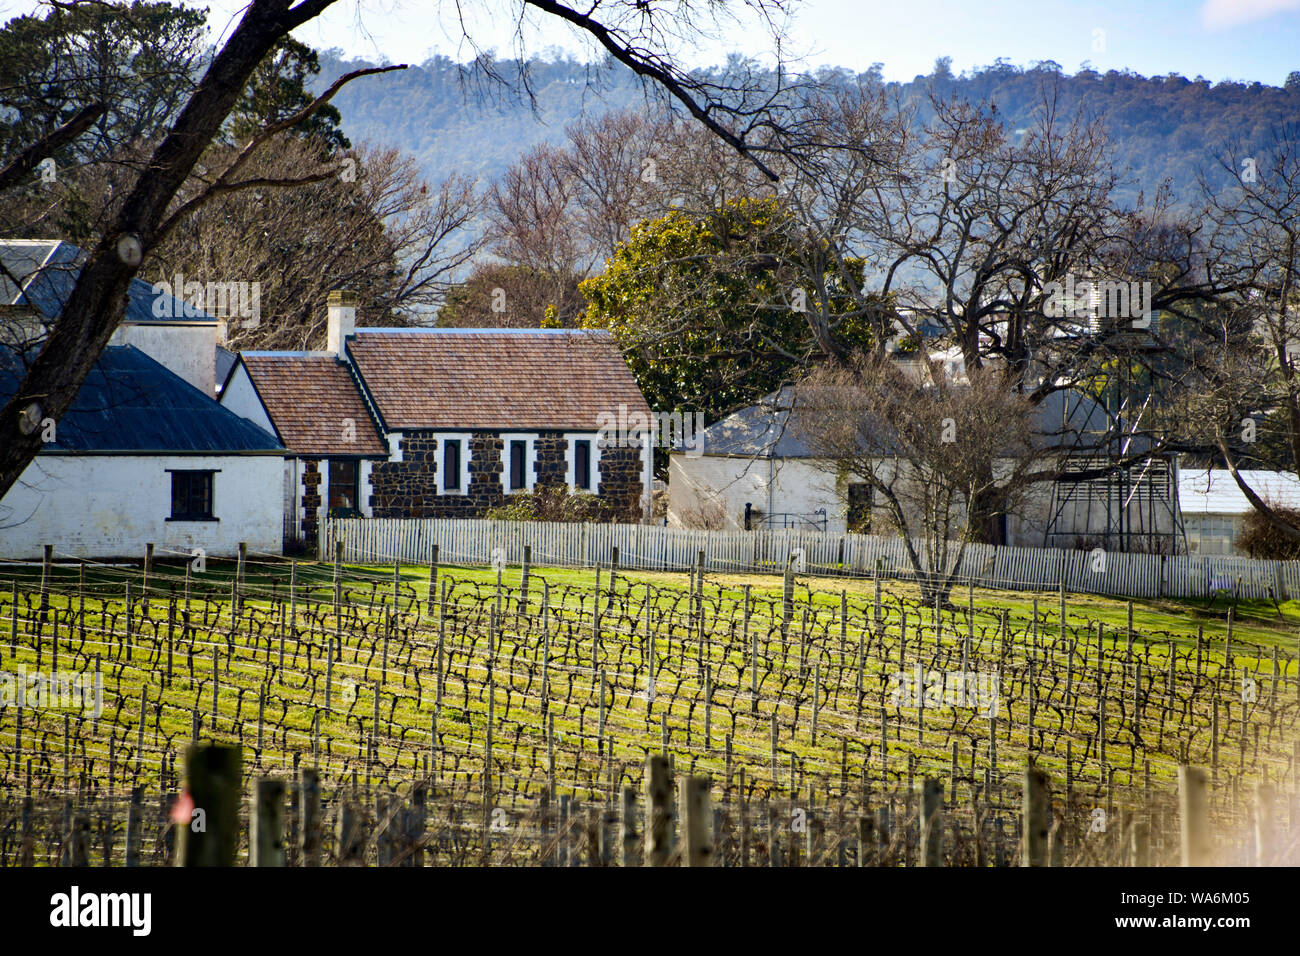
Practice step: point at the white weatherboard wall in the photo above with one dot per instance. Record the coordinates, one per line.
(783, 486)
(241, 398)
(99, 506)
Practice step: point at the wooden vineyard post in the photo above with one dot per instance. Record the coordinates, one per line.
(239, 579)
(708, 709)
(628, 821)
(1193, 805)
(750, 639)
(1037, 818)
(1263, 824)
(433, 576)
(47, 562)
(932, 822)
(787, 599)
(1061, 613)
(349, 839)
(309, 832)
(523, 578)
(867, 839)
(550, 756)
(699, 844)
(844, 623)
(213, 782)
(649, 645)
(134, 825)
(658, 794)
(699, 609)
(144, 578)
(266, 824)
(1140, 844)
(13, 620)
(875, 614)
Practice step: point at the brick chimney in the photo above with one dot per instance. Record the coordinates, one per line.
(342, 311)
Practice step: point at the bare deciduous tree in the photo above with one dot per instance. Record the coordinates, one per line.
(642, 37)
(927, 450)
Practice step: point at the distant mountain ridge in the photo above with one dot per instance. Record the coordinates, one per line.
(452, 118)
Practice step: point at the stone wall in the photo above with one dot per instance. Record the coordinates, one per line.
(409, 488)
(311, 501)
(620, 487)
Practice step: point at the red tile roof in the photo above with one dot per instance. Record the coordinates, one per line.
(515, 380)
(309, 397)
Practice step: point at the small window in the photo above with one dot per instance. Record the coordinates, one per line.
(582, 464)
(518, 465)
(451, 465)
(191, 496)
(344, 478)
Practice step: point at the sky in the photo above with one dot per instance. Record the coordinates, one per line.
(1218, 39)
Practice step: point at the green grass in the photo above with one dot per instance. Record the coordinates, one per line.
(845, 732)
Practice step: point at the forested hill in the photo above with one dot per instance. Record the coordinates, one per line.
(455, 120)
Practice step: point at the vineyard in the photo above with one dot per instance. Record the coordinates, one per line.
(434, 715)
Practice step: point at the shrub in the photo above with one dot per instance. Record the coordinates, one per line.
(554, 503)
(1260, 538)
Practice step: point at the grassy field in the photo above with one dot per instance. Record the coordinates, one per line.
(426, 687)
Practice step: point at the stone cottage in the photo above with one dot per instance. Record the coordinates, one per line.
(447, 423)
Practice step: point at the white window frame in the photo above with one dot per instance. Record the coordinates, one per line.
(570, 461)
(442, 438)
(530, 461)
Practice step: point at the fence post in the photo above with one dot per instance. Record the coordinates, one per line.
(213, 782)
(433, 574)
(266, 824)
(1194, 813)
(751, 640)
(867, 839)
(1263, 824)
(351, 847)
(932, 822)
(239, 577)
(523, 577)
(699, 844)
(1037, 818)
(310, 829)
(629, 833)
(658, 793)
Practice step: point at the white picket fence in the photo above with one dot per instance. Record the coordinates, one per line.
(659, 548)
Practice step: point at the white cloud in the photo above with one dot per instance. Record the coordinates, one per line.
(1226, 14)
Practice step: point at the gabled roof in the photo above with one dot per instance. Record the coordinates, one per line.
(1214, 492)
(42, 272)
(224, 365)
(309, 397)
(1065, 421)
(493, 379)
(130, 404)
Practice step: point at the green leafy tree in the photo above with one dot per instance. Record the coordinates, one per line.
(278, 89)
(712, 312)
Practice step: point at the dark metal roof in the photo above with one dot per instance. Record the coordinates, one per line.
(46, 271)
(1065, 420)
(130, 404)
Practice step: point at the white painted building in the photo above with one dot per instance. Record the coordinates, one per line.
(1214, 506)
(754, 470)
(145, 455)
